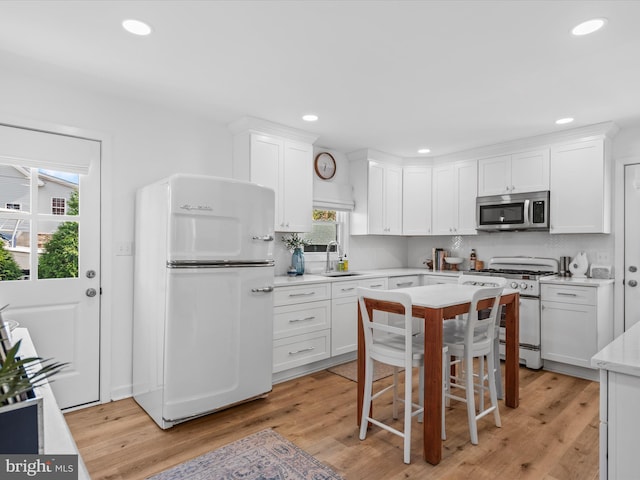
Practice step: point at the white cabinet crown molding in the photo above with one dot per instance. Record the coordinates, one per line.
(375, 156)
(589, 132)
(259, 125)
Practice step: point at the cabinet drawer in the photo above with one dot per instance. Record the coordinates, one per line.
(381, 283)
(299, 350)
(344, 289)
(404, 282)
(301, 293)
(569, 294)
(349, 289)
(301, 318)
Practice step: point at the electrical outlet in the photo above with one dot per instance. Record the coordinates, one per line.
(124, 249)
(602, 258)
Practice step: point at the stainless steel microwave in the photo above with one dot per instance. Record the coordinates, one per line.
(520, 211)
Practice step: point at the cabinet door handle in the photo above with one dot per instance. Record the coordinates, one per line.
(567, 294)
(402, 284)
(262, 290)
(264, 238)
(379, 285)
(302, 350)
(301, 294)
(347, 289)
(295, 320)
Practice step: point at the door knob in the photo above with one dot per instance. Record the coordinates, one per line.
(91, 273)
(91, 292)
(633, 268)
(632, 283)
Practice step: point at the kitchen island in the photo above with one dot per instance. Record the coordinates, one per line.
(619, 364)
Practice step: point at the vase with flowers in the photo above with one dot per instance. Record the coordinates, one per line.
(295, 244)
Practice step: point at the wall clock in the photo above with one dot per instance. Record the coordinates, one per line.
(325, 165)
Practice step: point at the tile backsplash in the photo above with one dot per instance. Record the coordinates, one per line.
(598, 247)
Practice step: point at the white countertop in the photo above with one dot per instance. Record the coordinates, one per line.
(588, 282)
(622, 355)
(443, 295)
(284, 280)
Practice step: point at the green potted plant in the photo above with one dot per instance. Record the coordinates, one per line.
(295, 244)
(21, 408)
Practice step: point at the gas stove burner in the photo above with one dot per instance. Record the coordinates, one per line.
(508, 272)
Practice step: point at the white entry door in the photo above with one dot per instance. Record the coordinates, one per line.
(50, 228)
(631, 245)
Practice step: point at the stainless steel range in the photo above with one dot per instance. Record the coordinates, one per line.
(524, 274)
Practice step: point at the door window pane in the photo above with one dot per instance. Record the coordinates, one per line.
(57, 192)
(56, 253)
(57, 249)
(14, 248)
(15, 188)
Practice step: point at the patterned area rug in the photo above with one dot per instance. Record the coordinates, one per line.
(262, 456)
(350, 370)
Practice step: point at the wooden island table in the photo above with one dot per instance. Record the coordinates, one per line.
(435, 304)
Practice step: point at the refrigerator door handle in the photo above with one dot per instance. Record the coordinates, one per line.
(262, 290)
(264, 238)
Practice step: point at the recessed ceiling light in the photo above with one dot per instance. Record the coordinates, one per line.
(590, 26)
(136, 27)
(424, 150)
(564, 121)
(310, 117)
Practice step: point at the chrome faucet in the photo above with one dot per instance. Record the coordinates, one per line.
(327, 267)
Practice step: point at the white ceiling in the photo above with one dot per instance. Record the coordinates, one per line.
(389, 75)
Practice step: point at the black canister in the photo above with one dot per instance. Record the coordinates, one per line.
(564, 267)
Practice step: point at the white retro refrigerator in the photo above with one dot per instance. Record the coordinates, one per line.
(203, 296)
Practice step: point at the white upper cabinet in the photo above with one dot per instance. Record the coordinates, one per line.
(416, 200)
(580, 188)
(454, 198)
(286, 167)
(514, 173)
(282, 159)
(297, 187)
(377, 190)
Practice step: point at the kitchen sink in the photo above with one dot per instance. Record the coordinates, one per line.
(340, 274)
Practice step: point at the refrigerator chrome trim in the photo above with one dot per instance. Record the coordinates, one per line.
(218, 263)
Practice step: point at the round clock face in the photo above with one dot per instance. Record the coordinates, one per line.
(325, 165)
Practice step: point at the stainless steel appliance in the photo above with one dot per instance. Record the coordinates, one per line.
(520, 211)
(524, 274)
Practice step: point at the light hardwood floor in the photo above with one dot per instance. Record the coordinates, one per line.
(553, 435)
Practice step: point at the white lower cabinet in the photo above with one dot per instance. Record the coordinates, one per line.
(302, 325)
(619, 426)
(576, 322)
(344, 313)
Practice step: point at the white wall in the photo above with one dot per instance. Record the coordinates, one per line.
(145, 143)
